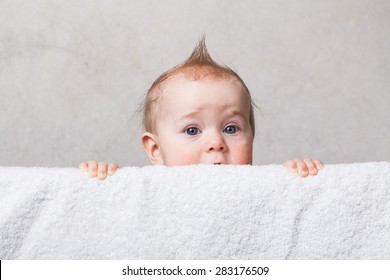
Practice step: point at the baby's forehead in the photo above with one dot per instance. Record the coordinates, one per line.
(182, 92)
(184, 81)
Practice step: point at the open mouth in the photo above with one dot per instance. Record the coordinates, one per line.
(218, 163)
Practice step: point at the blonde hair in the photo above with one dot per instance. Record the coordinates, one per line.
(197, 66)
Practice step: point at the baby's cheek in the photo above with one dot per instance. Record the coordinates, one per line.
(242, 154)
(182, 156)
(243, 159)
(181, 161)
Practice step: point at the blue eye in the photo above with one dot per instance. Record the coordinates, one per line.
(192, 131)
(231, 129)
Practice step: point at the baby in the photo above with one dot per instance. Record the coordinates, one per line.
(199, 112)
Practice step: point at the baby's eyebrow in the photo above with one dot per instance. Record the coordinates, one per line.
(188, 116)
(236, 113)
(194, 114)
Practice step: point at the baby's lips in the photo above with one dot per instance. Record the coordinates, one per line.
(214, 162)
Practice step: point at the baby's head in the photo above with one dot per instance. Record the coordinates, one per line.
(198, 112)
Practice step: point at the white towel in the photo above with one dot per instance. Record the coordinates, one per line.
(196, 212)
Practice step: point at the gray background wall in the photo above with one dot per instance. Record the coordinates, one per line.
(73, 72)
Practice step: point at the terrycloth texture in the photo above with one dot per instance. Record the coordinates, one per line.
(196, 212)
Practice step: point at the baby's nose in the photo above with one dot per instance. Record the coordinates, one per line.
(216, 144)
(220, 148)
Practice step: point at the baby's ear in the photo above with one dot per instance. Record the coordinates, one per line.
(152, 148)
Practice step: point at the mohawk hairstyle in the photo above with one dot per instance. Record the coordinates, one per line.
(200, 55)
(197, 66)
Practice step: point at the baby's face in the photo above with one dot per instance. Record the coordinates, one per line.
(204, 122)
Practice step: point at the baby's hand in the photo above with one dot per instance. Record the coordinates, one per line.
(101, 169)
(305, 167)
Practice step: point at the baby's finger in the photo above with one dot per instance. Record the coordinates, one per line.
(290, 165)
(84, 166)
(112, 167)
(102, 170)
(92, 169)
(302, 168)
(311, 166)
(318, 164)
